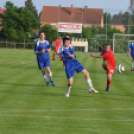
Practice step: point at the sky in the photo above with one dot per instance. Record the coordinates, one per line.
(112, 6)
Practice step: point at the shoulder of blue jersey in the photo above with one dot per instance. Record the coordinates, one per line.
(47, 42)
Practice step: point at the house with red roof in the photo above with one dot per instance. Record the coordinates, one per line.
(1, 12)
(87, 16)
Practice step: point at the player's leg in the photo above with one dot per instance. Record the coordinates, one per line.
(54, 55)
(60, 57)
(69, 87)
(45, 77)
(109, 80)
(104, 66)
(41, 67)
(50, 75)
(132, 64)
(63, 64)
(91, 88)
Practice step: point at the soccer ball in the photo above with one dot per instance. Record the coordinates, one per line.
(120, 68)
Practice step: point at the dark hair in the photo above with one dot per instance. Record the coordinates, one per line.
(107, 44)
(64, 39)
(41, 32)
(66, 35)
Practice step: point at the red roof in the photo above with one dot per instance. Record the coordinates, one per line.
(2, 10)
(70, 14)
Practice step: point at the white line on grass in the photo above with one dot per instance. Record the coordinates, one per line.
(64, 110)
(64, 118)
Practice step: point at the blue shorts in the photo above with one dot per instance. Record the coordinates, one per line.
(46, 63)
(72, 66)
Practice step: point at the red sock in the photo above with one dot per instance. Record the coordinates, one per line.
(109, 83)
(54, 55)
(60, 57)
(63, 64)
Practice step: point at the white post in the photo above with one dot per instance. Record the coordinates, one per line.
(24, 44)
(113, 42)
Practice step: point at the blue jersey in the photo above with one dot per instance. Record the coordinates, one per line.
(71, 65)
(132, 49)
(39, 46)
(64, 52)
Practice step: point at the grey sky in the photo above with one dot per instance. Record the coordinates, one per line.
(118, 5)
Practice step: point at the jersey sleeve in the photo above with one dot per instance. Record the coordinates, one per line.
(35, 48)
(48, 46)
(72, 50)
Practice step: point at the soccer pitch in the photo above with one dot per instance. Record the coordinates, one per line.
(27, 106)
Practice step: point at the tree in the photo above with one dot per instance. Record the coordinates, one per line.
(51, 34)
(18, 23)
(107, 18)
(31, 7)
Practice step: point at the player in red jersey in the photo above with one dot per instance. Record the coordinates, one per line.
(57, 42)
(108, 63)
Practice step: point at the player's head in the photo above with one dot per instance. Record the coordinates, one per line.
(107, 47)
(42, 35)
(59, 37)
(66, 42)
(67, 35)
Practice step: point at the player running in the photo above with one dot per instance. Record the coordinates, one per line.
(57, 42)
(131, 50)
(72, 65)
(42, 49)
(108, 63)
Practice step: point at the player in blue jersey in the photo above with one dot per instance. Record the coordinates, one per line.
(42, 49)
(131, 50)
(72, 65)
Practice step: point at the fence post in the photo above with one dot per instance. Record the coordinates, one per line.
(14, 46)
(24, 44)
(6, 43)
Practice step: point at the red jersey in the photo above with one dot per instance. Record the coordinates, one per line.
(109, 57)
(57, 42)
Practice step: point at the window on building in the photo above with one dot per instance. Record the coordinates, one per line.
(88, 26)
(53, 26)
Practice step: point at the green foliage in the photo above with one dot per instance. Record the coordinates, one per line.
(51, 34)
(31, 7)
(18, 22)
(107, 18)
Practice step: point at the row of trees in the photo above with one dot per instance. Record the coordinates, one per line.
(19, 22)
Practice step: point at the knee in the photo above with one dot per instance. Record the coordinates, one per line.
(70, 84)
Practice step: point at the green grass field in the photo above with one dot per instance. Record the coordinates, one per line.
(27, 106)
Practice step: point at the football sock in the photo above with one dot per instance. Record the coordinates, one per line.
(50, 76)
(108, 83)
(89, 82)
(46, 79)
(54, 55)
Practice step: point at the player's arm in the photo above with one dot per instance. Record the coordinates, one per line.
(36, 50)
(129, 51)
(48, 48)
(72, 55)
(40, 52)
(92, 55)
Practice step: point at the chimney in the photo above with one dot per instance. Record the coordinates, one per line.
(59, 5)
(84, 10)
(85, 7)
(71, 13)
